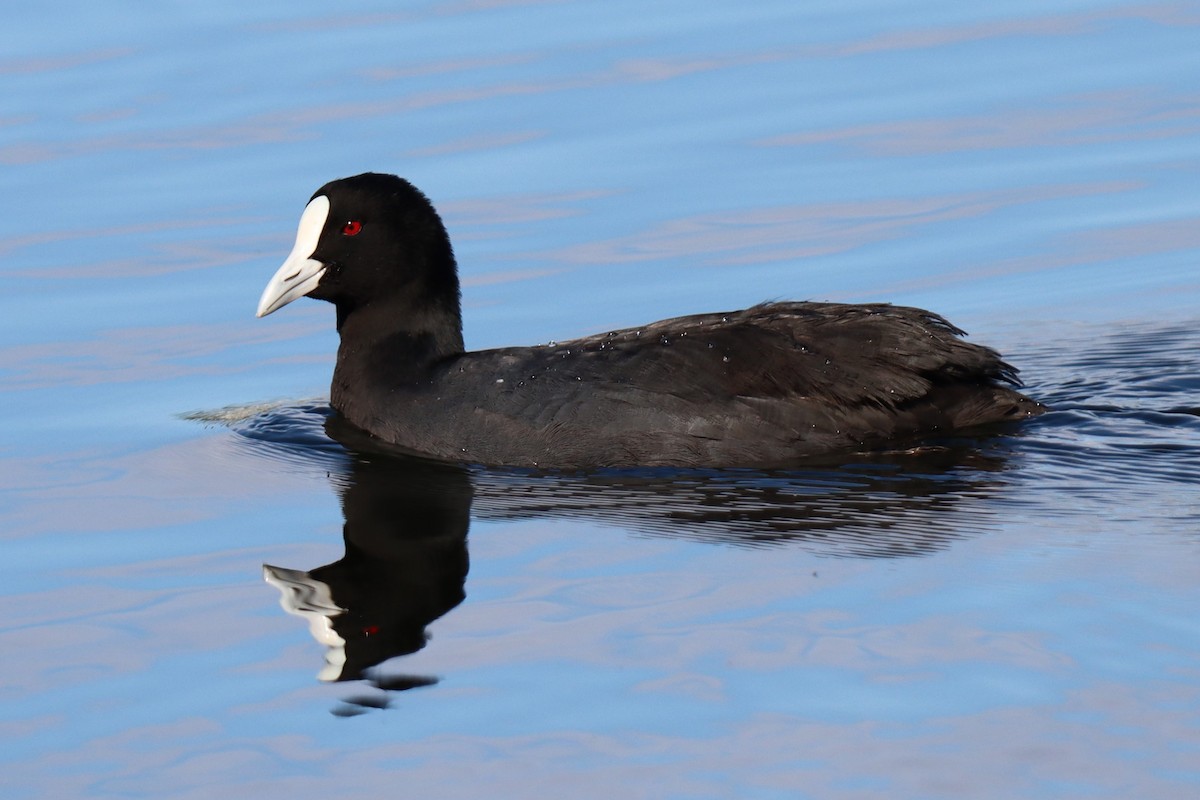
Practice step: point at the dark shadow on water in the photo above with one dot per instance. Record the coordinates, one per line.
(407, 519)
(872, 505)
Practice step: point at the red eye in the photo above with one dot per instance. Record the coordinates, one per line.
(351, 228)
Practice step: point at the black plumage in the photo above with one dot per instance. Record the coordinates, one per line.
(764, 386)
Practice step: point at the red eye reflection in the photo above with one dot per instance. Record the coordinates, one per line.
(351, 228)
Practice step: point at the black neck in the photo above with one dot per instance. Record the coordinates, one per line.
(389, 346)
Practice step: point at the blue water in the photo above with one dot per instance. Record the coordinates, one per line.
(995, 618)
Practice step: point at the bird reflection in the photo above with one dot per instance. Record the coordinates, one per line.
(405, 565)
(406, 522)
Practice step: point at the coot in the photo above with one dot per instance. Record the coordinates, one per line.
(765, 386)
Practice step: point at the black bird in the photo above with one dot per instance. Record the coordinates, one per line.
(766, 386)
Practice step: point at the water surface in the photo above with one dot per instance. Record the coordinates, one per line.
(991, 616)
